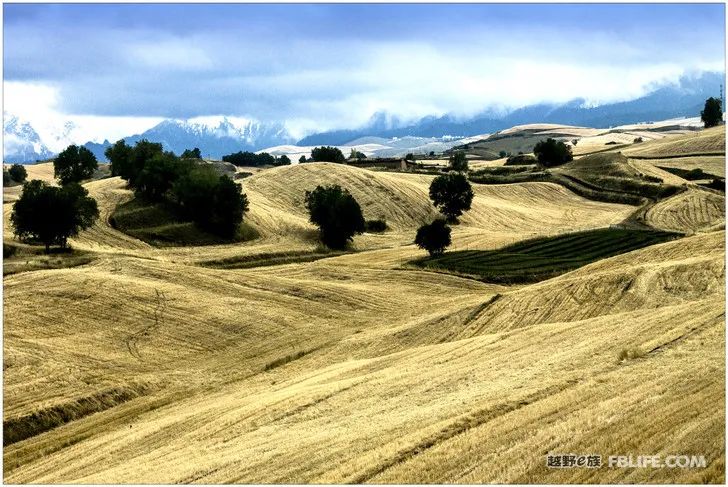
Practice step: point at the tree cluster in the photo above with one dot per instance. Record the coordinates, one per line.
(327, 154)
(191, 154)
(52, 214)
(250, 159)
(215, 203)
(552, 152)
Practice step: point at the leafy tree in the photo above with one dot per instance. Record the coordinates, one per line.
(284, 160)
(191, 154)
(6, 177)
(409, 157)
(552, 152)
(160, 173)
(712, 114)
(302, 159)
(18, 173)
(51, 214)
(355, 154)
(458, 162)
(434, 238)
(337, 214)
(119, 155)
(74, 164)
(451, 194)
(502, 154)
(432, 153)
(215, 203)
(327, 154)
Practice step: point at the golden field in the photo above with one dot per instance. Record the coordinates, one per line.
(155, 367)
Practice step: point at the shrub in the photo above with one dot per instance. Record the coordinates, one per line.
(637, 140)
(302, 159)
(51, 214)
(611, 142)
(434, 237)
(74, 164)
(451, 194)
(712, 114)
(629, 354)
(409, 157)
(458, 162)
(502, 154)
(520, 159)
(6, 177)
(551, 152)
(327, 154)
(432, 153)
(375, 226)
(337, 214)
(18, 173)
(215, 203)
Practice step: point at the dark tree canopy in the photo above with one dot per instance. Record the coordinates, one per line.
(191, 154)
(128, 162)
(409, 157)
(458, 162)
(215, 203)
(51, 214)
(552, 152)
(74, 164)
(302, 159)
(451, 194)
(337, 214)
(18, 173)
(434, 238)
(6, 177)
(712, 114)
(284, 160)
(327, 154)
(159, 174)
(250, 159)
(119, 155)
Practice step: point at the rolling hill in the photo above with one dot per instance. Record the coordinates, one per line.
(149, 365)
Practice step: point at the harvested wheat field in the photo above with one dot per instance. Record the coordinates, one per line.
(274, 360)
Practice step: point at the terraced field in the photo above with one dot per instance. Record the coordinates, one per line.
(543, 258)
(250, 362)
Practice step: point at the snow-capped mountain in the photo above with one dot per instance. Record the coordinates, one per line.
(214, 135)
(21, 143)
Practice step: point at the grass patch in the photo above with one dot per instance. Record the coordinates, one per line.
(24, 257)
(270, 259)
(161, 225)
(689, 174)
(542, 258)
(23, 427)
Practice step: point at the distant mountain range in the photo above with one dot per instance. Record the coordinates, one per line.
(217, 136)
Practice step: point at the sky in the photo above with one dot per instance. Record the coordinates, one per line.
(116, 69)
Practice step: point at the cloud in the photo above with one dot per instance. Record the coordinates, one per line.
(318, 67)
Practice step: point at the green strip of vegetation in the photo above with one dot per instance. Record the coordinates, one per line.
(269, 259)
(689, 174)
(160, 224)
(543, 258)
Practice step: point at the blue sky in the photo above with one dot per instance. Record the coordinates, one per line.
(321, 66)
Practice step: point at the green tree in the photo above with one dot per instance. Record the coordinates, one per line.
(119, 155)
(51, 214)
(458, 161)
(451, 194)
(434, 238)
(552, 152)
(409, 157)
(327, 154)
(337, 214)
(74, 164)
(215, 203)
(159, 174)
(712, 114)
(302, 159)
(191, 154)
(6, 178)
(18, 173)
(284, 160)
